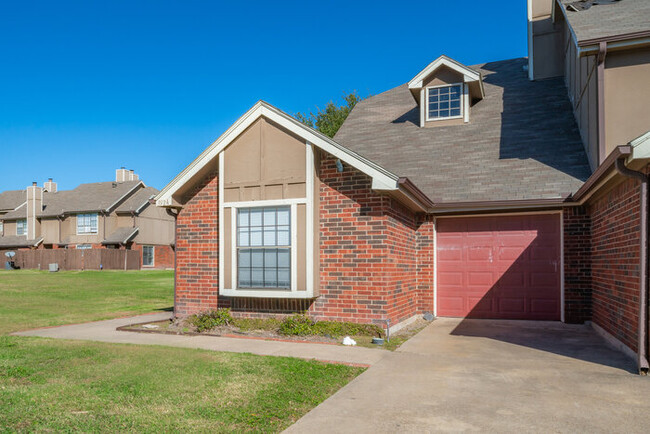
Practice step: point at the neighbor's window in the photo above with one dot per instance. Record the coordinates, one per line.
(1, 227)
(84, 246)
(264, 247)
(21, 227)
(86, 223)
(147, 256)
(444, 102)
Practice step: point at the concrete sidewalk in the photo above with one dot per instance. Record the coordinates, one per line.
(105, 331)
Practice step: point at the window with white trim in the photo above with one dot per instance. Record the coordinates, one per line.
(147, 256)
(444, 102)
(21, 227)
(86, 223)
(264, 247)
(84, 246)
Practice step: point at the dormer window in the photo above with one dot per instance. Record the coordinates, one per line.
(445, 102)
(444, 91)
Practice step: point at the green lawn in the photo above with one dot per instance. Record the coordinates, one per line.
(59, 385)
(31, 299)
(48, 385)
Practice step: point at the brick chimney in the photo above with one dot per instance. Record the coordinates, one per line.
(50, 186)
(34, 207)
(122, 175)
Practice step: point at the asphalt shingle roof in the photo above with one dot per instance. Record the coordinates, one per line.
(96, 196)
(16, 241)
(522, 141)
(121, 235)
(135, 202)
(602, 21)
(10, 199)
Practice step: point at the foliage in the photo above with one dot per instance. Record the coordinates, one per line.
(301, 325)
(31, 299)
(248, 324)
(329, 120)
(297, 325)
(209, 320)
(75, 386)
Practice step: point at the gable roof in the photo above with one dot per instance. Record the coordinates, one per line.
(627, 17)
(137, 201)
(92, 197)
(382, 179)
(522, 142)
(11, 199)
(121, 235)
(469, 75)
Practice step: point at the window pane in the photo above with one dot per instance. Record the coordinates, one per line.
(444, 105)
(243, 217)
(284, 258)
(256, 217)
(244, 258)
(257, 278)
(257, 258)
(270, 258)
(244, 237)
(444, 113)
(256, 236)
(455, 112)
(284, 236)
(269, 237)
(283, 216)
(244, 277)
(270, 278)
(284, 278)
(269, 217)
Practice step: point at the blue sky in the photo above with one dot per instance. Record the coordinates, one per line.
(89, 86)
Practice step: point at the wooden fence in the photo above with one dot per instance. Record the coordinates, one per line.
(75, 259)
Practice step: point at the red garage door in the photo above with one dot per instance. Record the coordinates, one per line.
(505, 267)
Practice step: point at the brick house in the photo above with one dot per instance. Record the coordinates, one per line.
(102, 215)
(504, 190)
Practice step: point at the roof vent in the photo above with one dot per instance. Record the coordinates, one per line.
(114, 185)
(583, 5)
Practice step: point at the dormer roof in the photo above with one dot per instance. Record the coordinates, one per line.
(470, 76)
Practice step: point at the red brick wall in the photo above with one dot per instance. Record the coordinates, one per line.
(615, 261)
(163, 256)
(197, 250)
(367, 256)
(577, 265)
(425, 269)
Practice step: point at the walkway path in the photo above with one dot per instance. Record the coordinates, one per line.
(105, 331)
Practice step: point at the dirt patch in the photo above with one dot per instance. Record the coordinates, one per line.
(268, 331)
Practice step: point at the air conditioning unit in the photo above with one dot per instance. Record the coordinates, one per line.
(54, 268)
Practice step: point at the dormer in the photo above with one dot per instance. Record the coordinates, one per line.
(445, 90)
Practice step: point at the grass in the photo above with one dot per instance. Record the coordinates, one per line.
(59, 385)
(48, 385)
(32, 299)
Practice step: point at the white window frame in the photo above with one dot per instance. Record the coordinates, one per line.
(91, 232)
(153, 256)
(84, 246)
(24, 227)
(462, 102)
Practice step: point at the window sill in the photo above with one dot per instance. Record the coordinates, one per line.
(265, 293)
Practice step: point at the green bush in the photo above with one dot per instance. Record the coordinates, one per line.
(301, 325)
(247, 324)
(297, 325)
(209, 320)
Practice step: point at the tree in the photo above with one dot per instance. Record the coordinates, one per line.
(329, 120)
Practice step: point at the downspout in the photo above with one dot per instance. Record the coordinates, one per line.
(175, 215)
(643, 264)
(600, 59)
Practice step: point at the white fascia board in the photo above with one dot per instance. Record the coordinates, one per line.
(467, 73)
(640, 148)
(378, 174)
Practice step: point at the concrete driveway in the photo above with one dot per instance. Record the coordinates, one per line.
(494, 376)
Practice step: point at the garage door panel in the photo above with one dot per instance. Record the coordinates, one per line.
(499, 267)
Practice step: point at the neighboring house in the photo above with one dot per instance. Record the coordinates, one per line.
(485, 191)
(113, 215)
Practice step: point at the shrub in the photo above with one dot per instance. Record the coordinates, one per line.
(209, 320)
(247, 324)
(297, 325)
(301, 325)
